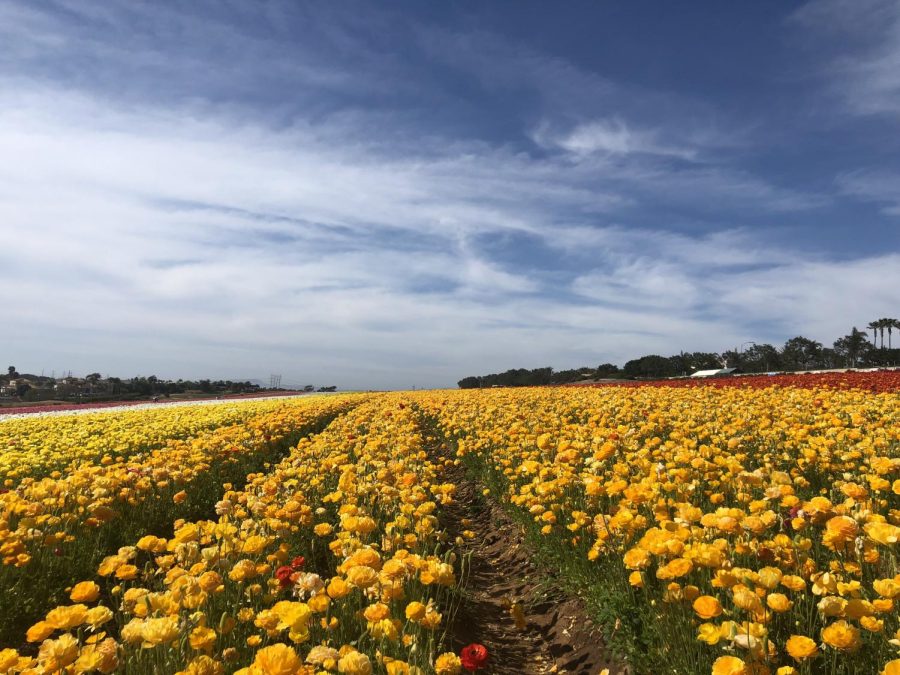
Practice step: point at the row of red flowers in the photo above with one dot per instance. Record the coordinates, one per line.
(874, 381)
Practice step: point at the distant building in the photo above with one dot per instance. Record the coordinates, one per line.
(716, 372)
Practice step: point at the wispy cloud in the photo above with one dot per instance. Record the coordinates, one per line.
(878, 186)
(612, 136)
(864, 70)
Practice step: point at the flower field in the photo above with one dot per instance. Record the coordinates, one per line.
(724, 530)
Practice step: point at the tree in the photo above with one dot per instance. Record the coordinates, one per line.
(873, 326)
(852, 347)
(13, 374)
(801, 353)
(92, 380)
(891, 324)
(652, 365)
(882, 324)
(607, 370)
(760, 358)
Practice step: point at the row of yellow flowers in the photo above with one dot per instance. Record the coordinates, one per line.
(51, 528)
(332, 561)
(42, 515)
(36, 446)
(750, 531)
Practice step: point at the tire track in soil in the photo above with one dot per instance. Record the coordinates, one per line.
(559, 636)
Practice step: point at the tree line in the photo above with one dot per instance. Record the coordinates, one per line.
(853, 350)
(96, 388)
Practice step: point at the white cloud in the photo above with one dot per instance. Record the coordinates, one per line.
(612, 136)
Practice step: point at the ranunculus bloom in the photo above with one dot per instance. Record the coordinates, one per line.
(355, 663)
(473, 656)
(86, 591)
(707, 607)
(841, 635)
(283, 574)
(801, 647)
(447, 664)
(729, 665)
(279, 659)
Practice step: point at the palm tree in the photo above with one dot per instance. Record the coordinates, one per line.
(891, 324)
(873, 326)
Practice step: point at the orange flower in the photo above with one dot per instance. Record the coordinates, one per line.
(707, 607)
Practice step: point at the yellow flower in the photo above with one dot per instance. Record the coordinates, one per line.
(778, 602)
(97, 616)
(202, 639)
(801, 647)
(70, 616)
(883, 533)
(355, 663)
(729, 665)
(362, 576)
(126, 572)
(323, 529)
(891, 668)
(871, 624)
(8, 659)
(377, 612)
(793, 582)
(102, 656)
(415, 611)
(55, 655)
(85, 591)
(320, 655)
(709, 633)
(636, 559)
(746, 599)
(841, 635)
(337, 588)
(203, 665)
(277, 659)
(886, 588)
(159, 631)
(243, 570)
(39, 631)
(447, 663)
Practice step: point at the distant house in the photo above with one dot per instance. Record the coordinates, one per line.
(716, 372)
(14, 384)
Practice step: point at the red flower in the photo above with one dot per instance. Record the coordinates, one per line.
(298, 562)
(473, 656)
(283, 574)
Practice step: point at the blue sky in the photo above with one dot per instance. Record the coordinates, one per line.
(400, 194)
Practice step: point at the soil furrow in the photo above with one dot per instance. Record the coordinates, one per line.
(552, 633)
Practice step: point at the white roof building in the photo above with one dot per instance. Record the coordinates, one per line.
(713, 373)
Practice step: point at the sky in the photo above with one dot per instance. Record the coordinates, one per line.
(400, 194)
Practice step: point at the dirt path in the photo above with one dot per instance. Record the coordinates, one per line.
(557, 636)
